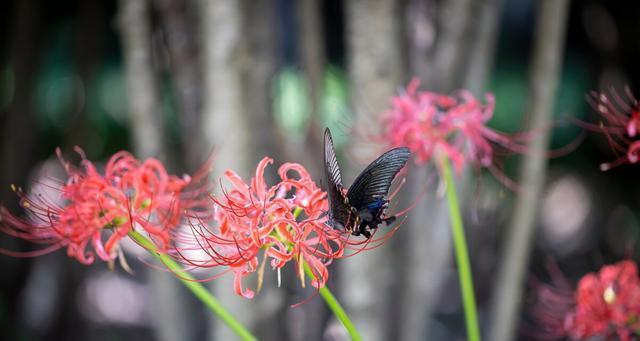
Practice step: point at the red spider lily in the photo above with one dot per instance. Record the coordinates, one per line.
(433, 125)
(605, 304)
(255, 223)
(101, 209)
(620, 123)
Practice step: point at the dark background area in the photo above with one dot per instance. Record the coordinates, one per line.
(63, 82)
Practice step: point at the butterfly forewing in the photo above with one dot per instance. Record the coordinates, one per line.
(331, 162)
(339, 209)
(374, 182)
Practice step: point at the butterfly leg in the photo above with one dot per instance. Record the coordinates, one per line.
(363, 229)
(389, 220)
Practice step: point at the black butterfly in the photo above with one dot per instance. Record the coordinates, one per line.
(362, 208)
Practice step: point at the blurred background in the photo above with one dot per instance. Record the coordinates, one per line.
(178, 79)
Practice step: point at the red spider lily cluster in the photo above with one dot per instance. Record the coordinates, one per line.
(255, 223)
(620, 123)
(100, 209)
(605, 304)
(250, 225)
(434, 125)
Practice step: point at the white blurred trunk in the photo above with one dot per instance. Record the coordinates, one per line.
(545, 70)
(147, 127)
(427, 256)
(146, 120)
(452, 36)
(375, 71)
(237, 45)
(424, 253)
(225, 125)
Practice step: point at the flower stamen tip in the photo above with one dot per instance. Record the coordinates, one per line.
(609, 295)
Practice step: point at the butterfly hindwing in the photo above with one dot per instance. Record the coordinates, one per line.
(372, 185)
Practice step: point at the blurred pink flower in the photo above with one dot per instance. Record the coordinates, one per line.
(255, 223)
(620, 123)
(101, 209)
(434, 125)
(605, 304)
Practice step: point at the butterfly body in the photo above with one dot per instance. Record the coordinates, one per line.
(362, 208)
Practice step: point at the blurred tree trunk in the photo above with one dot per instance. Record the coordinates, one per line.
(148, 138)
(375, 71)
(258, 71)
(225, 124)
(544, 75)
(305, 145)
(452, 38)
(482, 48)
(453, 49)
(307, 322)
(238, 66)
(19, 148)
(311, 47)
(420, 30)
(313, 60)
(423, 249)
(146, 120)
(180, 25)
(19, 145)
(89, 50)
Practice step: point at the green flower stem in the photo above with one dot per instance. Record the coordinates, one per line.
(335, 307)
(331, 300)
(328, 297)
(462, 255)
(196, 288)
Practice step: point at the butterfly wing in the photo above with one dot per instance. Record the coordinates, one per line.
(339, 209)
(372, 185)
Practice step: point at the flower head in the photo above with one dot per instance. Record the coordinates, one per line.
(100, 209)
(620, 123)
(255, 223)
(433, 125)
(605, 304)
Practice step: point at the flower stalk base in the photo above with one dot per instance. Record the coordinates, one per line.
(195, 287)
(462, 254)
(335, 307)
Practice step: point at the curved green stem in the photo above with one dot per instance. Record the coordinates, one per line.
(196, 288)
(329, 299)
(462, 255)
(335, 307)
